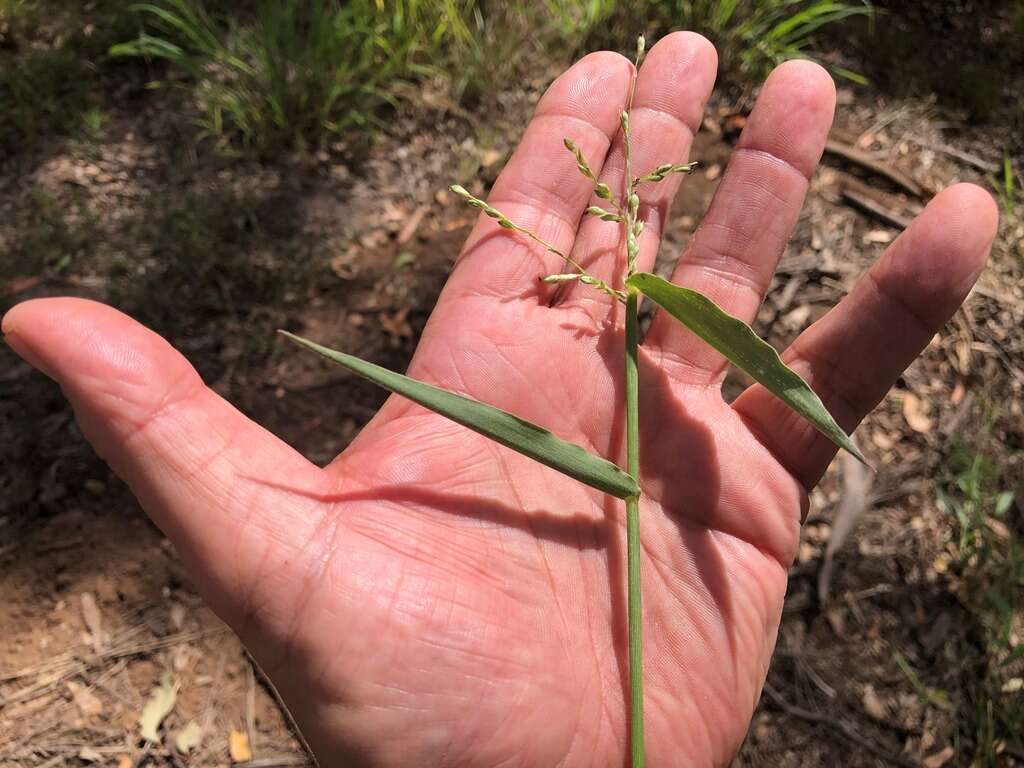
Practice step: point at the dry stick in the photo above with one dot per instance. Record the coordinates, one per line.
(285, 712)
(839, 726)
(144, 756)
(61, 748)
(250, 704)
(966, 158)
(58, 661)
(56, 713)
(870, 207)
(124, 648)
(855, 499)
(72, 667)
(855, 156)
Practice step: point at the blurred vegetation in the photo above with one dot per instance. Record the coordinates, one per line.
(53, 235)
(974, 50)
(1006, 188)
(269, 75)
(50, 53)
(979, 494)
(292, 75)
(751, 36)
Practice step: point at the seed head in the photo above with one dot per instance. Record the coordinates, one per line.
(602, 214)
(464, 193)
(581, 161)
(563, 278)
(664, 170)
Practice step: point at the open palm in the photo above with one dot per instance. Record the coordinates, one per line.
(433, 599)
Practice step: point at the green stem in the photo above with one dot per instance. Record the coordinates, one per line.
(633, 589)
(633, 606)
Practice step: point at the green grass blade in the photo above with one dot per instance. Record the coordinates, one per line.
(849, 74)
(184, 23)
(1008, 180)
(502, 427)
(745, 349)
(814, 17)
(1016, 654)
(146, 45)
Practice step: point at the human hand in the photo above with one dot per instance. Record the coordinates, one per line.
(431, 598)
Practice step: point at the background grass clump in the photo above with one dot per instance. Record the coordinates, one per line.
(266, 76)
(980, 495)
(285, 76)
(52, 57)
(751, 36)
(292, 75)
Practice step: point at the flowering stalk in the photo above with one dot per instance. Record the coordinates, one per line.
(634, 608)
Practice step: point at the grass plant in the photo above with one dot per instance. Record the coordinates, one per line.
(729, 335)
(978, 494)
(292, 75)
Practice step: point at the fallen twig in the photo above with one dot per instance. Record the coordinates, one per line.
(412, 224)
(855, 156)
(250, 703)
(286, 713)
(855, 499)
(872, 208)
(844, 729)
(61, 750)
(143, 756)
(966, 158)
(68, 665)
(57, 714)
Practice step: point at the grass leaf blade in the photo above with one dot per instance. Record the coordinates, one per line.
(744, 349)
(498, 425)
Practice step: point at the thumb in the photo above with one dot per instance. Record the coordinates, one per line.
(237, 502)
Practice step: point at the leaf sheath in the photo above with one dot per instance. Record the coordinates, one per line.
(634, 604)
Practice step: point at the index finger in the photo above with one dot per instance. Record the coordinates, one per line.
(541, 188)
(853, 355)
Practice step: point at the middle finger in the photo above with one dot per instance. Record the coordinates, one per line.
(673, 85)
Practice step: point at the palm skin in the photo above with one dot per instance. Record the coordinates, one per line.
(508, 579)
(433, 599)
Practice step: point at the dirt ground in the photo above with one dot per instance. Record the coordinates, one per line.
(878, 661)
